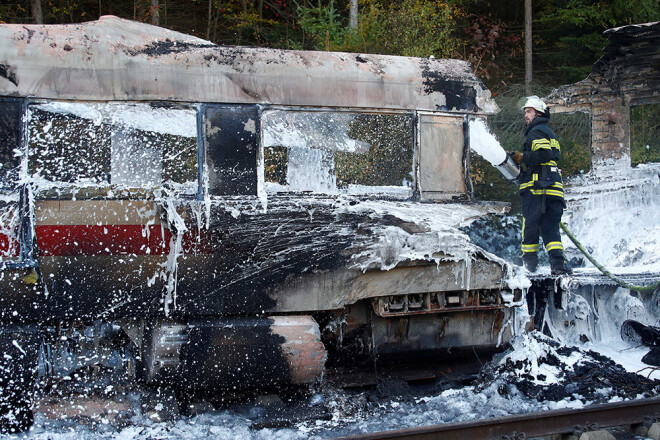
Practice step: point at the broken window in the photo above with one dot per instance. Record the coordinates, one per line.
(134, 146)
(330, 152)
(645, 134)
(231, 149)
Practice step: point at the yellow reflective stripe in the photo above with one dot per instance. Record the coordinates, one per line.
(552, 163)
(549, 192)
(556, 189)
(530, 248)
(554, 245)
(545, 143)
(540, 143)
(539, 192)
(535, 177)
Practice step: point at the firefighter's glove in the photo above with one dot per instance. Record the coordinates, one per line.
(516, 156)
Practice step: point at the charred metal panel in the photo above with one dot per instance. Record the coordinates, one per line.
(299, 256)
(9, 73)
(20, 349)
(240, 353)
(231, 150)
(21, 300)
(91, 287)
(323, 290)
(302, 347)
(108, 258)
(256, 251)
(426, 333)
(11, 111)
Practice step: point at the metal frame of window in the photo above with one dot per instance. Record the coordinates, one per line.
(375, 111)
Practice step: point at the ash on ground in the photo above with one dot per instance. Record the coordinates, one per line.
(540, 368)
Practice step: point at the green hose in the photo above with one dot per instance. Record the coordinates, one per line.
(602, 269)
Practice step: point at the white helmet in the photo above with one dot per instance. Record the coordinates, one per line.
(533, 102)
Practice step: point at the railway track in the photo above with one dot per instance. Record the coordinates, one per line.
(531, 425)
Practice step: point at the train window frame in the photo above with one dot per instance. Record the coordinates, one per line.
(107, 187)
(331, 185)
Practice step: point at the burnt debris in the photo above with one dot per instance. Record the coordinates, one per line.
(641, 334)
(594, 379)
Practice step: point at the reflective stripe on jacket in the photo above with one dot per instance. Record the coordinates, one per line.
(540, 173)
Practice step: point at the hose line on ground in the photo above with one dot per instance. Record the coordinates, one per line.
(602, 269)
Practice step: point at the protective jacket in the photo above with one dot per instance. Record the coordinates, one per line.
(540, 174)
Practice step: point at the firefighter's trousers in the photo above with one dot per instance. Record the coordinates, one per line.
(546, 224)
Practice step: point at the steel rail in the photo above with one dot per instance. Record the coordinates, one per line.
(563, 421)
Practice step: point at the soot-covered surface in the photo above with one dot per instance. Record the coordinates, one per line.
(535, 374)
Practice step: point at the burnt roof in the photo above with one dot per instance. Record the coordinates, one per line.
(630, 47)
(118, 59)
(630, 67)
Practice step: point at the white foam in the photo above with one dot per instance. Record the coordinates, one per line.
(484, 143)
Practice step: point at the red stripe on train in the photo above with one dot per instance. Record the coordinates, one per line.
(8, 246)
(73, 240)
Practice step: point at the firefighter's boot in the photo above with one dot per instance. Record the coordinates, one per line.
(531, 261)
(559, 266)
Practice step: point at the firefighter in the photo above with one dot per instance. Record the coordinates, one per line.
(541, 188)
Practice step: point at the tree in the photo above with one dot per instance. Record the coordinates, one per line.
(37, 12)
(415, 28)
(155, 9)
(353, 21)
(528, 47)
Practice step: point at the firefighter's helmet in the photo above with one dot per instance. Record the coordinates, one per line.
(534, 102)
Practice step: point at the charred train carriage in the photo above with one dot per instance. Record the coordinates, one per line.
(235, 217)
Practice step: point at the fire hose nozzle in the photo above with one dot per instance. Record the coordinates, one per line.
(509, 169)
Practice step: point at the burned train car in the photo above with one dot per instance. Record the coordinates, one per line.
(236, 217)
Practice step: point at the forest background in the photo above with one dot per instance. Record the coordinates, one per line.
(566, 40)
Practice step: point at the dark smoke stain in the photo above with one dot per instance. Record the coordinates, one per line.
(30, 34)
(9, 73)
(249, 352)
(158, 48)
(460, 93)
(237, 81)
(359, 59)
(243, 59)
